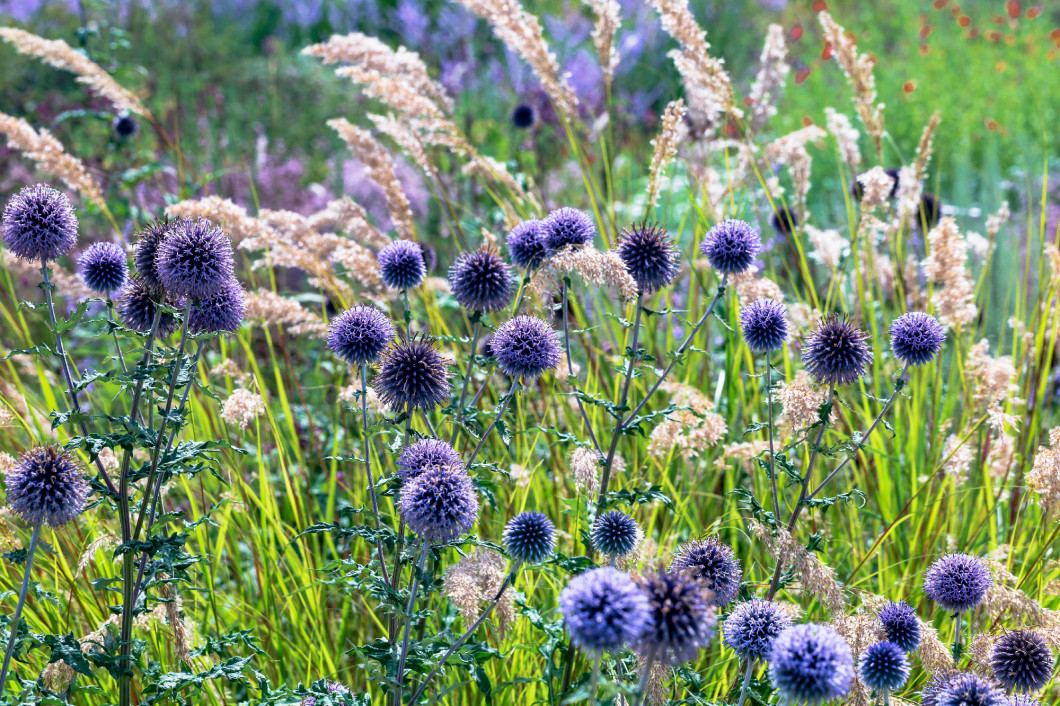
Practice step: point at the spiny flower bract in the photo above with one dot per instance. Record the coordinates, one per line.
(526, 244)
(525, 347)
(901, 625)
(567, 226)
(420, 455)
(752, 627)
(146, 251)
(221, 311)
(401, 264)
(604, 609)
(935, 684)
(731, 246)
(682, 617)
(614, 533)
(957, 582)
(765, 325)
(412, 373)
(104, 267)
(195, 259)
(39, 223)
(649, 255)
(481, 281)
(811, 664)
(837, 352)
(137, 308)
(712, 563)
(46, 486)
(967, 689)
(916, 338)
(530, 537)
(884, 666)
(440, 504)
(359, 335)
(1023, 700)
(1022, 661)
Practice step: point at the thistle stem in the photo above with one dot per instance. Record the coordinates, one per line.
(749, 666)
(957, 638)
(475, 331)
(645, 675)
(772, 463)
(570, 365)
(368, 470)
(408, 618)
(17, 617)
(500, 412)
(594, 678)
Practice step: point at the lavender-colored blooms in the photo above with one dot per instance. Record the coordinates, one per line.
(221, 311)
(526, 244)
(884, 667)
(137, 308)
(359, 335)
(916, 338)
(1023, 700)
(420, 455)
(104, 267)
(614, 533)
(752, 627)
(195, 259)
(146, 251)
(731, 246)
(481, 281)
(39, 223)
(525, 347)
(440, 504)
(957, 582)
(650, 256)
(837, 353)
(712, 563)
(967, 689)
(811, 664)
(765, 325)
(901, 625)
(530, 537)
(567, 226)
(682, 617)
(1022, 661)
(412, 374)
(401, 264)
(604, 609)
(46, 486)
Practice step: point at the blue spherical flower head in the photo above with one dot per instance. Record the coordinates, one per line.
(221, 311)
(682, 617)
(714, 564)
(1022, 661)
(39, 223)
(145, 253)
(811, 664)
(195, 259)
(957, 582)
(1023, 700)
(967, 689)
(526, 245)
(752, 627)
(884, 667)
(440, 504)
(731, 246)
(523, 116)
(104, 267)
(359, 335)
(525, 347)
(46, 487)
(604, 609)
(614, 533)
(901, 625)
(412, 373)
(137, 308)
(481, 281)
(401, 264)
(420, 455)
(765, 325)
(836, 353)
(125, 125)
(530, 537)
(650, 256)
(916, 338)
(567, 226)
(929, 695)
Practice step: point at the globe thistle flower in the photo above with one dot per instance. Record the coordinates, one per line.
(401, 264)
(412, 374)
(526, 244)
(221, 311)
(614, 533)
(604, 609)
(567, 226)
(650, 256)
(530, 537)
(783, 220)
(420, 455)
(1023, 700)
(195, 259)
(430, 257)
(752, 627)
(359, 335)
(765, 325)
(39, 223)
(146, 251)
(137, 307)
(929, 695)
(682, 617)
(967, 689)
(46, 487)
(713, 564)
(104, 267)
(1022, 661)
(916, 338)
(836, 353)
(900, 625)
(481, 281)
(125, 125)
(811, 664)
(957, 582)
(440, 504)
(523, 116)
(884, 667)
(731, 246)
(525, 347)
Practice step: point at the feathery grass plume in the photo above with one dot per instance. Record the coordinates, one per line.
(829, 247)
(474, 581)
(291, 241)
(993, 379)
(43, 149)
(858, 70)
(584, 464)
(816, 577)
(242, 407)
(860, 629)
(235, 220)
(664, 146)
(875, 186)
(595, 266)
(751, 287)
(790, 150)
(276, 310)
(691, 430)
(1044, 476)
(608, 18)
(846, 136)
(344, 215)
(773, 71)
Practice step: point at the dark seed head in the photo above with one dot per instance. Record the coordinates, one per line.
(412, 374)
(1022, 661)
(39, 223)
(837, 353)
(650, 256)
(46, 487)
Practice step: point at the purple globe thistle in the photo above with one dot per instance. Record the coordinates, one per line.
(46, 487)
(650, 256)
(752, 627)
(713, 564)
(525, 347)
(359, 335)
(523, 116)
(420, 455)
(526, 244)
(1022, 661)
(530, 537)
(401, 264)
(929, 695)
(884, 667)
(221, 311)
(412, 374)
(765, 325)
(146, 251)
(731, 246)
(967, 689)
(567, 226)
(604, 609)
(811, 664)
(137, 308)
(440, 504)
(682, 617)
(957, 582)
(916, 338)
(104, 267)
(481, 281)
(836, 353)
(900, 625)
(614, 533)
(125, 125)
(195, 259)
(1023, 700)
(39, 223)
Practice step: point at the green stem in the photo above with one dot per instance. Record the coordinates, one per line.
(408, 618)
(368, 470)
(749, 666)
(500, 412)
(475, 331)
(17, 617)
(645, 675)
(957, 638)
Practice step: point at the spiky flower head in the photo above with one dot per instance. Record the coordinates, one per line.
(420, 455)
(968, 689)
(221, 311)
(440, 504)
(523, 116)
(1022, 661)
(682, 617)
(650, 256)
(526, 244)
(783, 220)
(39, 223)
(753, 626)
(401, 264)
(359, 335)
(604, 609)
(765, 325)
(195, 259)
(929, 695)
(481, 281)
(104, 267)
(1023, 700)
(731, 246)
(145, 253)
(614, 533)
(714, 564)
(412, 373)
(46, 487)
(884, 666)
(525, 347)
(900, 625)
(837, 352)
(137, 308)
(125, 125)
(811, 664)
(916, 338)
(530, 537)
(957, 582)
(567, 226)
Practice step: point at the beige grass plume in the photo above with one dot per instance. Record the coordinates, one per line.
(665, 147)
(608, 18)
(858, 69)
(49, 155)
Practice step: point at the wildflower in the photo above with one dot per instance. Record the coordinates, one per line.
(359, 335)
(1023, 700)
(525, 347)
(530, 537)
(526, 244)
(420, 455)
(412, 374)
(957, 582)
(137, 309)
(221, 311)
(713, 564)
(916, 338)
(649, 255)
(1044, 476)
(731, 246)
(146, 250)
(837, 353)
(523, 116)
(104, 267)
(967, 689)
(125, 125)
(195, 259)
(242, 407)
(901, 625)
(604, 609)
(884, 667)
(567, 226)
(39, 223)
(614, 533)
(811, 663)
(783, 220)
(481, 281)
(765, 325)
(1022, 661)
(682, 617)
(401, 264)
(752, 627)
(440, 504)
(935, 684)
(46, 487)
(331, 687)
